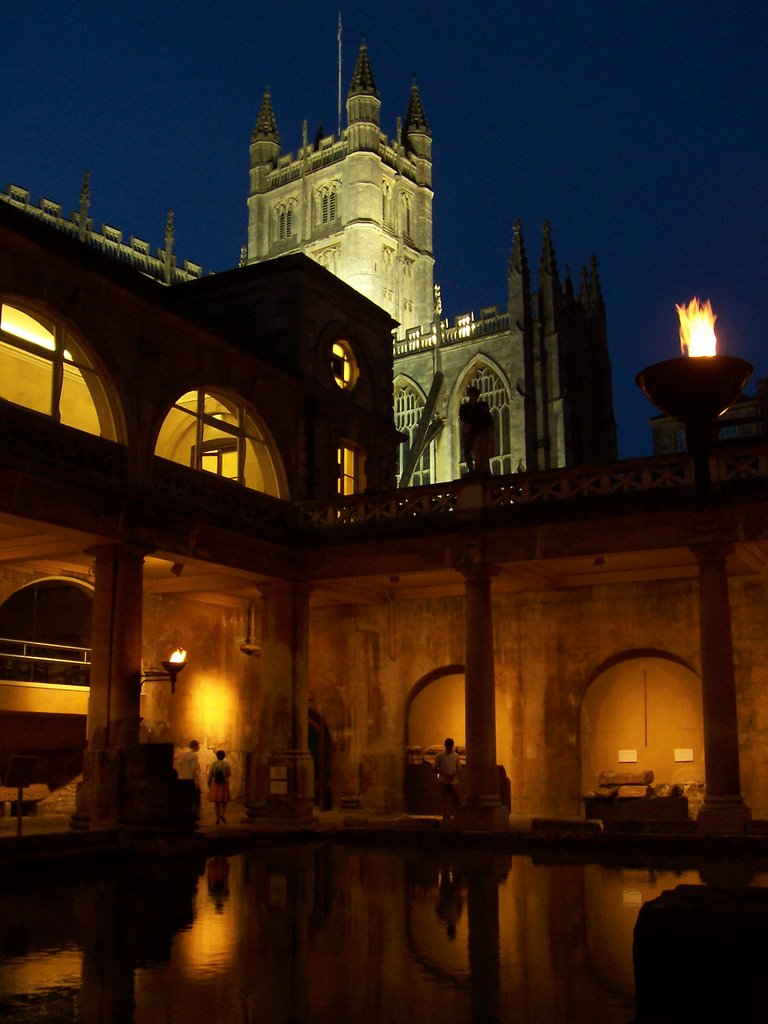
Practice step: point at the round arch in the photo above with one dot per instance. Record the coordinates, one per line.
(434, 708)
(641, 711)
(48, 365)
(214, 430)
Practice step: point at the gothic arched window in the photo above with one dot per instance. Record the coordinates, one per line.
(409, 408)
(216, 434)
(407, 216)
(284, 221)
(386, 202)
(328, 198)
(45, 368)
(494, 392)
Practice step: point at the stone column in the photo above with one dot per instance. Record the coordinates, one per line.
(724, 809)
(113, 703)
(483, 805)
(281, 781)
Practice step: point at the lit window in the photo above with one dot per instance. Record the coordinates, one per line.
(216, 435)
(343, 365)
(44, 368)
(350, 469)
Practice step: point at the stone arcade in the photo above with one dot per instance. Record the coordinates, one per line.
(172, 455)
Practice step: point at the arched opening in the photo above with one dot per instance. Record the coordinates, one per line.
(45, 654)
(215, 433)
(643, 713)
(434, 710)
(45, 367)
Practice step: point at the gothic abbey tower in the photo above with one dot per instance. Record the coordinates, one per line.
(361, 205)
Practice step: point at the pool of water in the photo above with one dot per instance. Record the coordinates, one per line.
(317, 932)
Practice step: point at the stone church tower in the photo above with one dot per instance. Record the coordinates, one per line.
(360, 205)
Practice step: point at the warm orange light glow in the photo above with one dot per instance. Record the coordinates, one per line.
(179, 656)
(697, 329)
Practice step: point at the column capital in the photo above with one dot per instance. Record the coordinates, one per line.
(275, 588)
(122, 548)
(712, 551)
(477, 570)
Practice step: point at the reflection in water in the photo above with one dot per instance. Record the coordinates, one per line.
(318, 933)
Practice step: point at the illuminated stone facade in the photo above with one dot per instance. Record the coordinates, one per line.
(361, 205)
(549, 621)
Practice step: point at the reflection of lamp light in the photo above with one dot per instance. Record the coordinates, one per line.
(171, 668)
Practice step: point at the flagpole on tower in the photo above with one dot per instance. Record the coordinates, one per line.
(338, 37)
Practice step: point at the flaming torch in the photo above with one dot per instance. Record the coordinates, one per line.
(698, 387)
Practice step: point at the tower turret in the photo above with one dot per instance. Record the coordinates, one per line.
(416, 138)
(265, 143)
(363, 106)
(519, 282)
(549, 285)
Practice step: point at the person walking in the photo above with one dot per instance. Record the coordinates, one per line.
(219, 795)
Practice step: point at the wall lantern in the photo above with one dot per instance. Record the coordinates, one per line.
(176, 663)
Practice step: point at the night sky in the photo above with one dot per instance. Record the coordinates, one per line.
(639, 130)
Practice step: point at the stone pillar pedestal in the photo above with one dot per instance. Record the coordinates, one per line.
(113, 703)
(724, 809)
(483, 807)
(280, 775)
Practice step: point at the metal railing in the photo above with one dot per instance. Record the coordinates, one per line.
(37, 662)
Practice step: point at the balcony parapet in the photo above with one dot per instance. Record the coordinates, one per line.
(489, 494)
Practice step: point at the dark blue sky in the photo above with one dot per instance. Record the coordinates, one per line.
(638, 129)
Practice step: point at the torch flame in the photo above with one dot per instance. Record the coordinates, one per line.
(179, 655)
(697, 329)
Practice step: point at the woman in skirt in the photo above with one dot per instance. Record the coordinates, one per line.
(218, 785)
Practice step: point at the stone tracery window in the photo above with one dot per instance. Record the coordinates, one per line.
(215, 434)
(493, 391)
(44, 367)
(409, 407)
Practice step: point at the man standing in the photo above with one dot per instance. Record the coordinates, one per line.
(189, 768)
(446, 768)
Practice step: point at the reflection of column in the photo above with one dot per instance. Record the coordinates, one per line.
(113, 703)
(724, 809)
(483, 804)
(281, 777)
(483, 940)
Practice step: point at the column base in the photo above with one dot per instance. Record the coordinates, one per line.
(723, 816)
(283, 786)
(484, 813)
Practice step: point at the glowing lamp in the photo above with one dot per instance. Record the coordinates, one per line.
(175, 663)
(697, 387)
